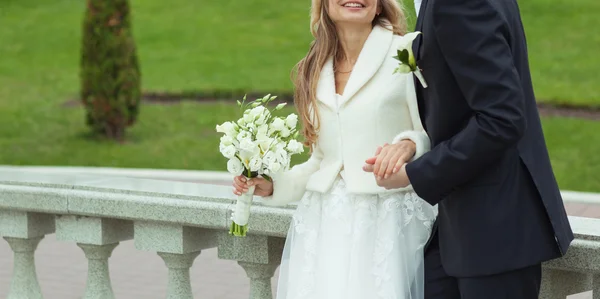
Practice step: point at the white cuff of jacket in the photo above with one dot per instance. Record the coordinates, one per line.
(286, 192)
(420, 138)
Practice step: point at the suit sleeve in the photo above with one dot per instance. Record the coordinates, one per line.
(290, 186)
(417, 134)
(474, 40)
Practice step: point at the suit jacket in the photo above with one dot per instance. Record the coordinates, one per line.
(499, 204)
(377, 107)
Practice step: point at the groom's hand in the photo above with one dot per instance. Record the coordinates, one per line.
(390, 158)
(395, 181)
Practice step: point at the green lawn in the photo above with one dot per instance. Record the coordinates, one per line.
(237, 45)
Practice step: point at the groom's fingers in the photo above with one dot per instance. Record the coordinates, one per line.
(368, 167)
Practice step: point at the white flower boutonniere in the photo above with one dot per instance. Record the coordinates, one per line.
(407, 60)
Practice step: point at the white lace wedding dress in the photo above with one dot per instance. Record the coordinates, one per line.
(348, 246)
(344, 246)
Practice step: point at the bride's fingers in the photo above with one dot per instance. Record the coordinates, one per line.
(395, 163)
(240, 186)
(256, 181)
(379, 161)
(236, 191)
(398, 165)
(385, 160)
(371, 161)
(391, 164)
(240, 179)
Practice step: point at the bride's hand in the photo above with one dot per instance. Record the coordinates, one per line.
(389, 159)
(241, 184)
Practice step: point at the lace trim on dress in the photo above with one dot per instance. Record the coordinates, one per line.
(406, 207)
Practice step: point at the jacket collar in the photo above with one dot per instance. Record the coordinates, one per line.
(370, 59)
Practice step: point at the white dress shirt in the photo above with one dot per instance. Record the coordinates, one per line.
(418, 6)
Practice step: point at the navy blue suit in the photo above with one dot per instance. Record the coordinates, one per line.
(500, 210)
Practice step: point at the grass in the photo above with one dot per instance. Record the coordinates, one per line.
(241, 45)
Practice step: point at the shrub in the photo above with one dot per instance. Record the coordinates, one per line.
(110, 75)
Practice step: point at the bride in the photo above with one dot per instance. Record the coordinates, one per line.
(351, 239)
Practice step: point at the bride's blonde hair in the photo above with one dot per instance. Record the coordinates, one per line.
(325, 45)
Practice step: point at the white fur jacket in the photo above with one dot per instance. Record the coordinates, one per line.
(377, 107)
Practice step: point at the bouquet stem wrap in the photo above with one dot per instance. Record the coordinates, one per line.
(241, 213)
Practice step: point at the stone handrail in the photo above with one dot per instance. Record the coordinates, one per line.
(177, 220)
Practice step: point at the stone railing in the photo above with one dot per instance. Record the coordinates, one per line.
(178, 220)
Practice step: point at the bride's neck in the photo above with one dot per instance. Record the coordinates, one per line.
(351, 39)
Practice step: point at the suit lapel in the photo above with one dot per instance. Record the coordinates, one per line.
(370, 59)
(417, 52)
(419, 27)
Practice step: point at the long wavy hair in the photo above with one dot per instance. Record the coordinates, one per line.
(325, 45)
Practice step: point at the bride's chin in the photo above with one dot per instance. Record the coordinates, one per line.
(354, 21)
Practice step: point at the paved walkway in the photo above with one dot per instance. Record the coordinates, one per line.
(142, 275)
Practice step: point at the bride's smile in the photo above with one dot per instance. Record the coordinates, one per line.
(353, 5)
(353, 11)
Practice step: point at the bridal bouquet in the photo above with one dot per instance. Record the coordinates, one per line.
(258, 143)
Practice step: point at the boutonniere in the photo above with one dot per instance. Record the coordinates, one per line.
(407, 60)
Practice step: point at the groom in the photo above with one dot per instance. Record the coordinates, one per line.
(500, 210)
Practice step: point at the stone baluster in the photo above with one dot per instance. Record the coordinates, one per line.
(178, 246)
(258, 255)
(97, 237)
(558, 284)
(23, 231)
(596, 286)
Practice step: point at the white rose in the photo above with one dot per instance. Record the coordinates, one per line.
(278, 124)
(235, 167)
(255, 164)
(268, 158)
(241, 122)
(291, 121)
(257, 111)
(243, 135)
(226, 140)
(248, 118)
(295, 147)
(285, 132)
(282, 156)
(264, 142)
(248, 146)
(263, 129)
(227, 128)
(228, 151)
(278, 146)
(262, 118)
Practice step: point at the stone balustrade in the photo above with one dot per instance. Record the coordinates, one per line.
(177, 221)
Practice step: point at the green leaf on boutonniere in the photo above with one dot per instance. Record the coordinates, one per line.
(403, 56)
